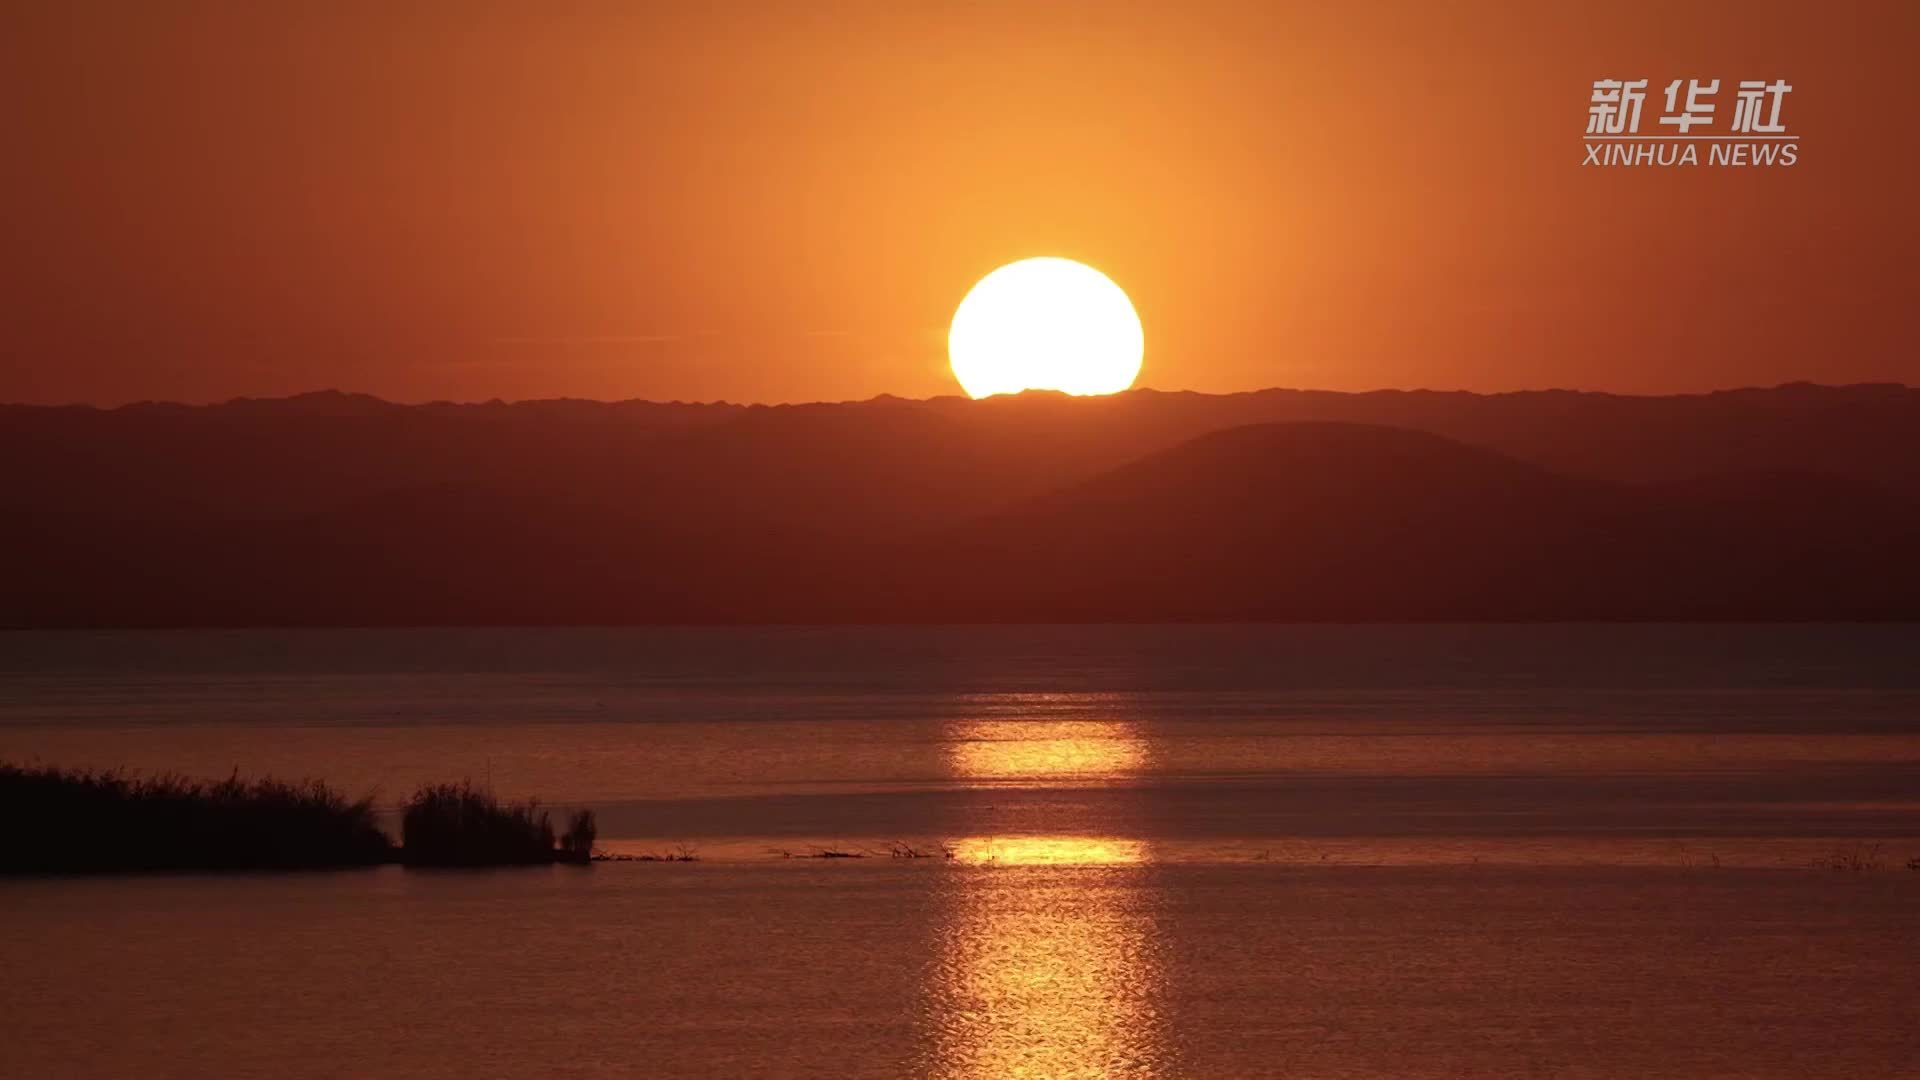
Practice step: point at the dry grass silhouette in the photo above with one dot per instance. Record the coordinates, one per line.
(78, 821)
(461, 825)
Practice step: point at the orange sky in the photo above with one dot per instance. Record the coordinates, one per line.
(784, 202)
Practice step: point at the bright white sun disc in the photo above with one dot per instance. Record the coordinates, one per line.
(1045, 324)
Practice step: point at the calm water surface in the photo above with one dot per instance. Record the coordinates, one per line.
(1191, 851)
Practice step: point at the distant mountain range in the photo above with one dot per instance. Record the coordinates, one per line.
(1798, 502)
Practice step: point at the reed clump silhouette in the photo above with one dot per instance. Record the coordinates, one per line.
(576, 844)
(462, 825)
(78, 821)
(100, 821)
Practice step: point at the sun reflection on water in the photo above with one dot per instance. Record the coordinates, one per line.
(1048, 970)
(1041, 751)
(1049, 959)
(1050, 850)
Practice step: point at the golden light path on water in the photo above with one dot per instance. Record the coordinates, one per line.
(1044, 751)
(1049, 851)
(1049, 958)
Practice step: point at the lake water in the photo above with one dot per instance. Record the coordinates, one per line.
(1181, 851)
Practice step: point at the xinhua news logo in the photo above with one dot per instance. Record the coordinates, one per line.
(1755, 134)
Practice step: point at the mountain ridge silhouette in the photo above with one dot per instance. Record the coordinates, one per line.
(1796, 502)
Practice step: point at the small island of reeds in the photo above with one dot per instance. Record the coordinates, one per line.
(461, 825)
(83, 821)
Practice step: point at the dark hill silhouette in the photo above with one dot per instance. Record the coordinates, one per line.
(1337, 521)
(340, 509)
(1283, 520)
(827, 468)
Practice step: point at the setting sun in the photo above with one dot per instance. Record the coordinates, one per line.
(1045, 324)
